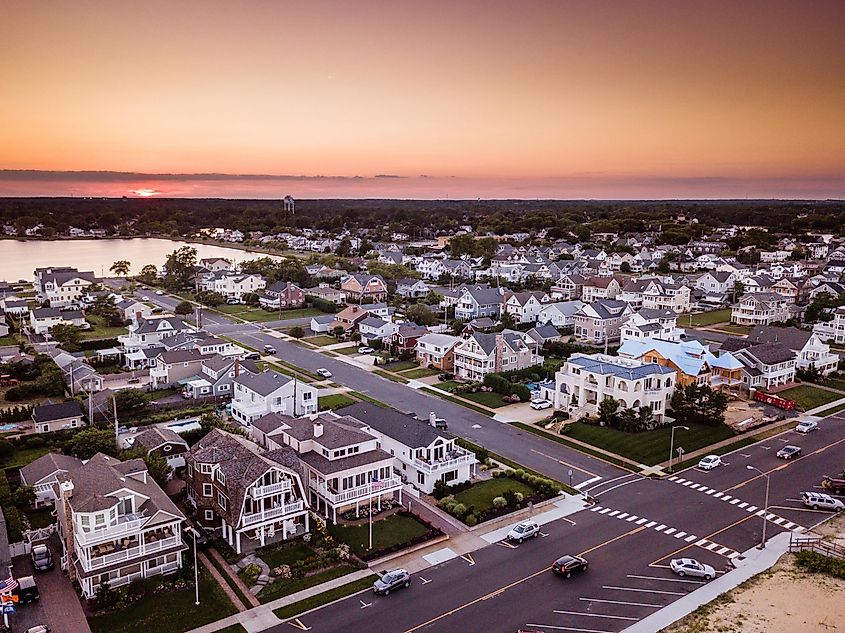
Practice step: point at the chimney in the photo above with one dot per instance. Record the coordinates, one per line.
(65, 493)
(237, 367)
(137, 316)
(431, 418)
(318, 429)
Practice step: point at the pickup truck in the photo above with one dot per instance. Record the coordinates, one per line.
(836, 485)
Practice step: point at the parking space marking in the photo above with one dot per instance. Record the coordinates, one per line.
(692, 582)
(297, 624)
(596, 615)
(636, 590)
(507, 544)
(364, 605)
(629, 604)
(565, 628)
(468, 558)
(424, 581)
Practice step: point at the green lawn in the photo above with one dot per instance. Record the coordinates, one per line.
(322, 339)
(481, 495)
(393, 530)
(24, 456)
(168, 612)
(334, 401)
(808, 397)
(402, 366)
(326, 597)
(248, 313)
(463, 403)
(835, 383)
(287, 555)
(40, 517)
(649, 447)
(709, 318)
(99, 329)
(11, 339)
(447, 385)
(735, 329)
(422, 372)
(486, 398)
(347, 351)
(831, 410)
(281, 588)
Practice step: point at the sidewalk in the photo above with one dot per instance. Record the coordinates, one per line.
(751, 563)
(262, 617)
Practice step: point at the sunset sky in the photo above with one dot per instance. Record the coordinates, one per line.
(595, 99)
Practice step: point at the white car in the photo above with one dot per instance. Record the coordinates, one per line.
(691, 567)
(539, 405)
(523, 530)
(710, 462)
(820, 500)
(807, 426)
(364, 349)
(325, 373)
(159, 292)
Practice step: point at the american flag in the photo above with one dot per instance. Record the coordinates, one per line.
(8, 584)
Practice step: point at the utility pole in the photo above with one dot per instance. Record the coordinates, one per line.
(114, 405)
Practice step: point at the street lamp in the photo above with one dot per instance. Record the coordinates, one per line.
(194, 536)
(766, 505)
(672, 444)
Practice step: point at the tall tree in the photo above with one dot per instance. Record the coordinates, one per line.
(179, 268)
(120, 267)
(148, 274)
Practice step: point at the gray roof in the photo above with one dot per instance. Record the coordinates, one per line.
(48, 464)
(604, 367)
(329, 466)
(59, 411)
(484, 295)
(338, 432)
(155, 436)
(768, 353)
(146, 326)
(372, 321)
(181, 356)
(264, 383)
(657, 313)
(790, 337)
(542, 333)
(403, 428)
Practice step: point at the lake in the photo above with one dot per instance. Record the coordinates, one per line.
(18, 259)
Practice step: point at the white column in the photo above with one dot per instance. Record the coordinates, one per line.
(262, 536)
(307, 526)
(238, 542)
(284, 530)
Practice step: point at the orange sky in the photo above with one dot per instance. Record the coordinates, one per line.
(477, 90)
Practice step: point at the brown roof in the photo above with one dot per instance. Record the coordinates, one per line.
(329, 466)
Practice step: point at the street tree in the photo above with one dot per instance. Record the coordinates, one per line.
(183, 307)
(120, 267)
(67, 335)
(88, 442)
(421, 314)
(148, 275)
(179, 268)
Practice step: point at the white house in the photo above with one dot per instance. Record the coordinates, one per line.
(809, 349)
(560, 314)
(585, 380)
(760, 308)
(524, 307)
(256, 395)
(650, 323)
(425, 454)
(62, 286)
(480, 354)
(42, 319)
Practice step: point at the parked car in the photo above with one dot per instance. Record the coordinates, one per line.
(232, 302)
(26, 591)
(159, 292)
(788, 452)
(691, 567)
(836, 485)
(365, 349)
(42, 559)
(156, 310)
(39, 628)
(524, 530)
(269, 349)
(710, 462)
(392, 580)
(325, 373)
(540, 404)
(807, 426)
(253, 356)
(820, 500)
(567, 565)
(445, 376)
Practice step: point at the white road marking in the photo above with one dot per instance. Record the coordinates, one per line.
(719, 495)
(670, 531)
(734, 502)
(690, 538)
(693, 582)
(364, 605)
(605, 510)
(723, 551)
(634, 589)
(424, 581)
(711, 546)
(587, 483)
(631, 604)
(564, 628)
(651, 524)
(750, 508)
(633, 517)
(660, 528)
(641, 521)
(680, 534)
(614, 513)
(622, 516)
(743, 504)
(596, 615)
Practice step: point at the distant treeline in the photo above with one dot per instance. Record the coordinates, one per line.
(417, 218)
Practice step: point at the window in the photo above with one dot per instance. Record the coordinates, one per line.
(221, 500)
(306, 395)
(206, 490)
(209, 515)
(205, 469)
(421, 478)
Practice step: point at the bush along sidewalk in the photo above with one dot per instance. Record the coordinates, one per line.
(507, 492)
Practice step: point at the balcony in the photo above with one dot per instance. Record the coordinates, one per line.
(249, 410)
(444, 464)
(119, 556)
(367, 491)
(126, 524)
(272, 513)
(257, 492)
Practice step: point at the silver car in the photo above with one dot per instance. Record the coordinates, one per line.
(524, 530)
(392, 580)
(691, 567)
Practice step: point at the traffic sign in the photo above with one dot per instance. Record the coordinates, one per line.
(8, 609)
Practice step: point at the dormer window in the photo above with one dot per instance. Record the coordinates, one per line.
(221, 477)
(205, 469)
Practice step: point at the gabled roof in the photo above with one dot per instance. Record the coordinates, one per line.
(50, 412)
(156, 436)
(403, 428)
(790, 337)
(263, 383)
(48, 464)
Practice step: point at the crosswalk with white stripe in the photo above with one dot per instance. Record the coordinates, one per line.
(786, 524)
(667, 530)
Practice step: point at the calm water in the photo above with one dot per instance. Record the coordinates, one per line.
(18, 260)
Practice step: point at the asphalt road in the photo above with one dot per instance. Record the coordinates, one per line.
(629, 537)
(544, 456)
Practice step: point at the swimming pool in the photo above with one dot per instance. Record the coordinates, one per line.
(8, 427)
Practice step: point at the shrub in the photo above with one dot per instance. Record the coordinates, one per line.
(820, 564)
(500, 502)
(519, 497)
(470, 520)
(441, 489)
(459, 510)
(297, 331)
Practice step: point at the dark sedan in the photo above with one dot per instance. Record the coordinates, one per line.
(567, 565)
